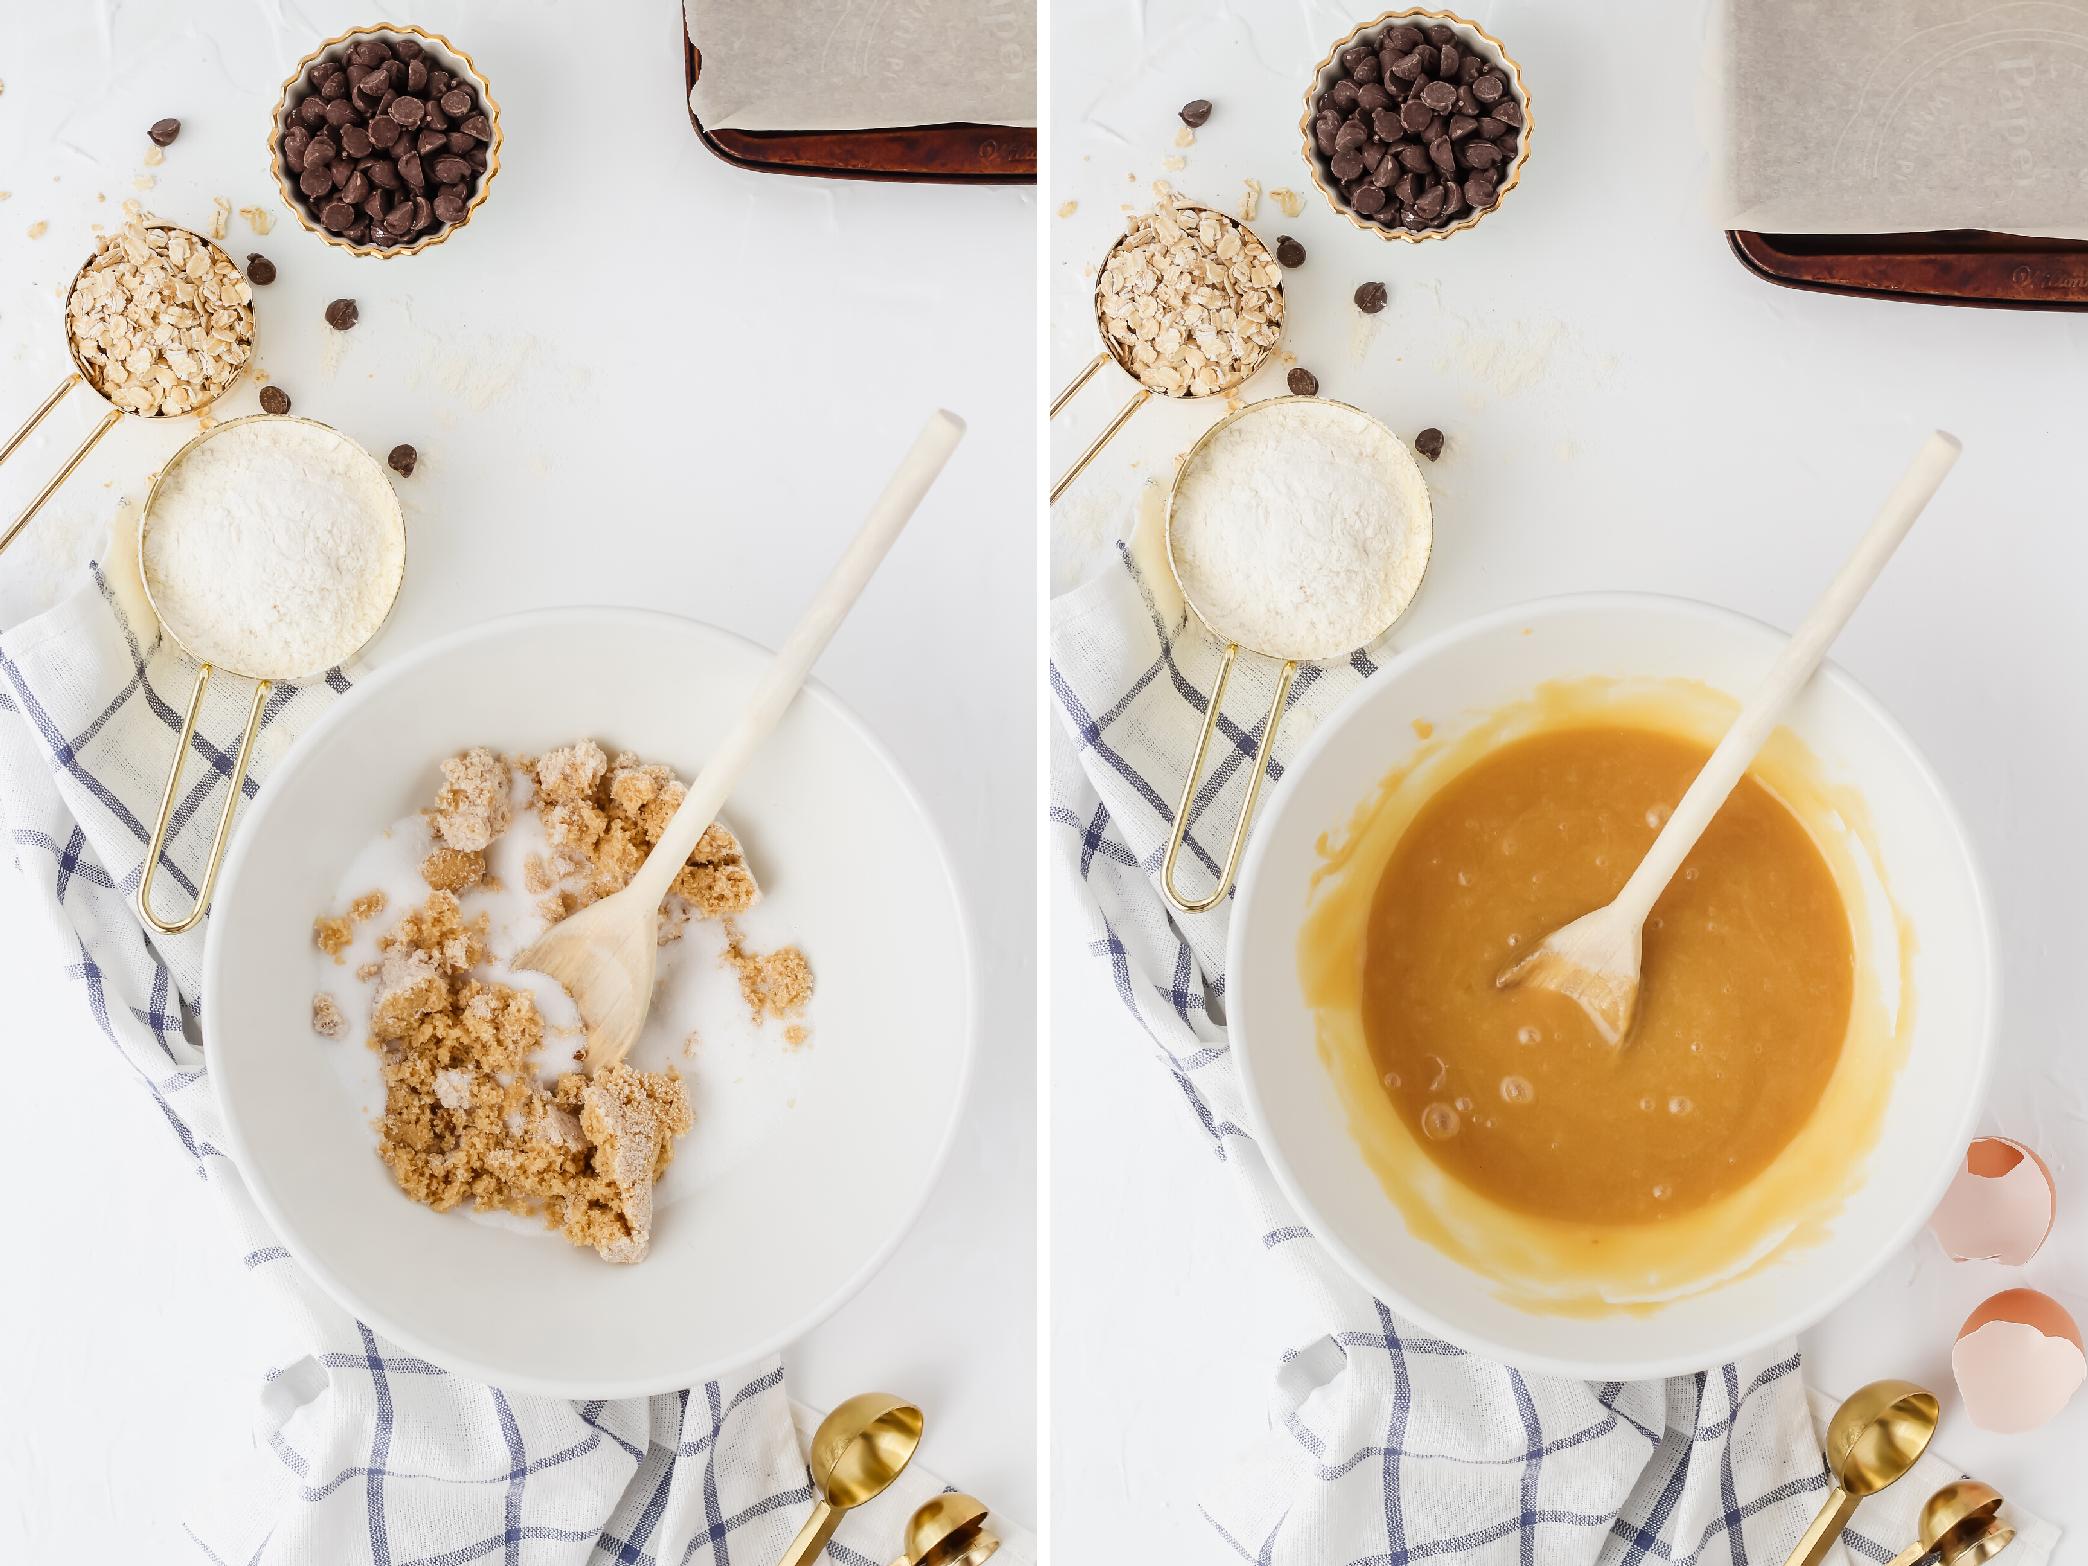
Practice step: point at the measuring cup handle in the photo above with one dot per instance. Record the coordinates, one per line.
(224, 827)
(1080, 463)
(108, 423)
(1076, 383)
(39, 415)
(811, 1542)
(1262, 753)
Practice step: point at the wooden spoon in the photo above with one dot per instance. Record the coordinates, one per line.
(603, 955)
(1596, 959)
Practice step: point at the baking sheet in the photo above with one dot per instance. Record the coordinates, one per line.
(1883, 116)
(808, 65)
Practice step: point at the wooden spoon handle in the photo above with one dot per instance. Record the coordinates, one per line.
(793, 661)
(1797, 663)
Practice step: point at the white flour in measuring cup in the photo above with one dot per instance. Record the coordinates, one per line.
(1300, 530)
(274, 548)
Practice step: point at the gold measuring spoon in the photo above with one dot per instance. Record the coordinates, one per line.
(857, 1451)
(190, 637)
(1958, 1524)
(1121, 353)
(949, 1530)
(1422, 541)
(83, 374)
(1873, 1440)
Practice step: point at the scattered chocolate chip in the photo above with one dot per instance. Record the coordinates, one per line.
(1196, 113)
(274, 400)
(1372, 297)
(1303, 383)
(1419, 126)
(1289, 252)
(1429, 443)
(342, 314)
(259, 269)
(163, 132)
(402, 460)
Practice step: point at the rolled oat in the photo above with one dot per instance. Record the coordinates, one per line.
(161, 322)
(1192, 300)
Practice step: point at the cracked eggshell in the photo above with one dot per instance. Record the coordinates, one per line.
(2000, 1207)
(2018, 1360)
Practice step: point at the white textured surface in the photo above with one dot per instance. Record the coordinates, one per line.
(611, 379)
(1626, 408)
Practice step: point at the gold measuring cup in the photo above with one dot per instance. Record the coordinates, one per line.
(1958, 1525)
(1121, 353)
(264, 679)
(857, 1451)
(1874, 1439)
(83, 375)
(949, 1530)
(1424, 526)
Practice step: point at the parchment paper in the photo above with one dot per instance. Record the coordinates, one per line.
(1877, 116)
(863, 64)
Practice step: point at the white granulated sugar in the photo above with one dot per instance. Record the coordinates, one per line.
(274, 548)
(1301, 530)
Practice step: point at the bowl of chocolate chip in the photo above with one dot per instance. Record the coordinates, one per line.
(386, 140)
(1416, 125)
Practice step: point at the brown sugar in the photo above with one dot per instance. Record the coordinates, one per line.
(602, 816)
(773, 984)
(453, 869)
(327, 1020)
(466, 1117)
(334, 936)
(473, 807)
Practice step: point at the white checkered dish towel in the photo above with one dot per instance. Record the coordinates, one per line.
(1387, 1445)
(363, 1453)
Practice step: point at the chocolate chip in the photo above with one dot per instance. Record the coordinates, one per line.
(163, 132)
(1303, 383)
(260, 270)
(477, 127)
(449, 204)
(410, 171)
(355, 141)
(402, 460)
(1429, 443)
(342, 314)
(1439, 96)
(1488, 88)
(1370, 200)
(456, 102)
(416, 78)
(1372, 297)
(316, 180)
(311, 112)
(384, 132)
(1289, 252)
(274, 400)
(1196, 112)
(338, 216)
(1507, 111)
(408, 111)
(451, 171)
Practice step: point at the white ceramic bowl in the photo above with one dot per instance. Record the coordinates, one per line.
(1482, 666)
(775, 1242)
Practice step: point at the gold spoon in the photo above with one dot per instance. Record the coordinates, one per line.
(1873, 1440)
(857, 1451)
(1959, 1524)
(1595, 960)
(949, 1530)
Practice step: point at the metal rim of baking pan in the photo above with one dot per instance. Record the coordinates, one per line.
(1750, 248)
